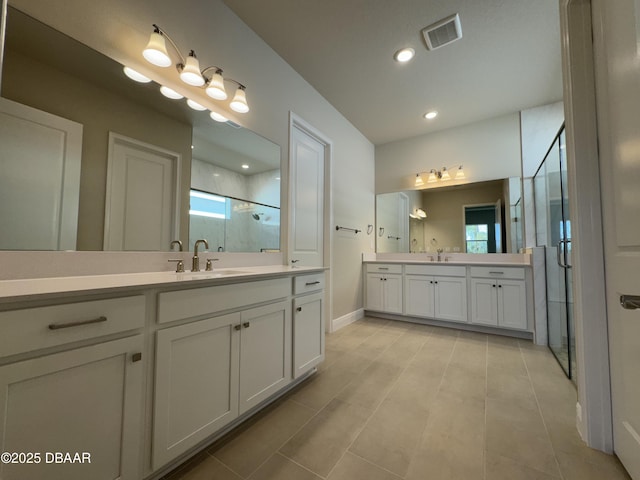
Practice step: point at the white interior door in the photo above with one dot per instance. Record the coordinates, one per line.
(307, 198)
(142, 208)
(619, 135)
(41, 213)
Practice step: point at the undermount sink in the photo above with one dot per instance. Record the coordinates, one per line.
(216, 273)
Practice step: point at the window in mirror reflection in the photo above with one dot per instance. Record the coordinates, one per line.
(483, 233)
(232, 224)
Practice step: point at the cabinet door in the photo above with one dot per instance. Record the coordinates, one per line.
(375, 298)
(512, 303)
(83, 400)
(196, 391)
(265, 353)
(308, 333)
(392, 293)
(451, 298)
(484, 301)
(418, 291)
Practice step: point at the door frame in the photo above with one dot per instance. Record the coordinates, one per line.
(593, 408)
(116, 138)
(296, 121)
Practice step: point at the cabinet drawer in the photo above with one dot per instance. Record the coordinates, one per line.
(308, 283)
(201, 301)
(516, 273)
(42, 327)
(383, 268)
(437, 270)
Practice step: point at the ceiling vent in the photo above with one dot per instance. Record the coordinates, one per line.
(443, 32)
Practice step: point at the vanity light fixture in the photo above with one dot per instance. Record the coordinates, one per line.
(419, 214)
(195, 105)
(217, 117)
(170, 93)
(135, 76)
(440, 175)
(190, 73)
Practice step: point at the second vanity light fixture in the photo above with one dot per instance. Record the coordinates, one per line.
(439, 175)
(210, 78)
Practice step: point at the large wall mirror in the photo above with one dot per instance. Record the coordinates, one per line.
(92, 160)
(482, 217)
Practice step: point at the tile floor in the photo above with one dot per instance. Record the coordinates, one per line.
(395, 400)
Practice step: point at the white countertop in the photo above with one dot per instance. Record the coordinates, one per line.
(27, 289)
(450, 262)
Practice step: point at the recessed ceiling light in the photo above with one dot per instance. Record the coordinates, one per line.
(245, 166)
(431, 115)
(404, 55)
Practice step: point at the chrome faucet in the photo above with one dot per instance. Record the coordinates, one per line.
(439, 250)
(195, 264)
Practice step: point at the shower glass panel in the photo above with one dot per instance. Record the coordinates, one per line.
(553, 232)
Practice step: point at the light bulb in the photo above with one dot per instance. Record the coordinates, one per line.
(404, 55)
(135, 76)
(195, 105)
(156, 51)
(170, 93)
(190, 72)
(215, 88)
(217, 117)
(239, 102)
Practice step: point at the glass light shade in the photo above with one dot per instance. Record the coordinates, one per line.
(239, 102)
(432, 178)
(460, 173)
(190, 73)
(156, 51)
(445, 175)
(217, 117)
(135, 76)
(421, 213)
(195, 105)
(419, 181)
(170, 93)
(215, 89)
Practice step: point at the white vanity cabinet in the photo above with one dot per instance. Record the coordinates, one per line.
(384, 288)
(437, 292)
(210, 371)
(308, 323)
(81, 399)
(499, 297)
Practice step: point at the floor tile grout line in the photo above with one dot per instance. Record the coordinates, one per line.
(544, 422)
(486, 393)
(444, 371)
(377, 408)
(277, 450)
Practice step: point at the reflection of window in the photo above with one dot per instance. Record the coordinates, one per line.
(477, 238)
(207, 205)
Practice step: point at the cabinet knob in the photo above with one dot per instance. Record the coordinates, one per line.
(237, 327)
(299, 309)
(136, 357)
(499, 286)
(246, 324)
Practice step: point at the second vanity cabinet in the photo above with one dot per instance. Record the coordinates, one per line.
(308, 323)
(499, 297)
(67, 396)
(384, 288)
(212, 370)
(436, 292)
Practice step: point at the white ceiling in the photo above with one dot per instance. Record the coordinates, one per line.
(507, 60)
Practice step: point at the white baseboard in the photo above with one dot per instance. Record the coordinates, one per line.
(349, 318)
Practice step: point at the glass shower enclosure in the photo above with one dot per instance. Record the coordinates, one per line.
(553, 232)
